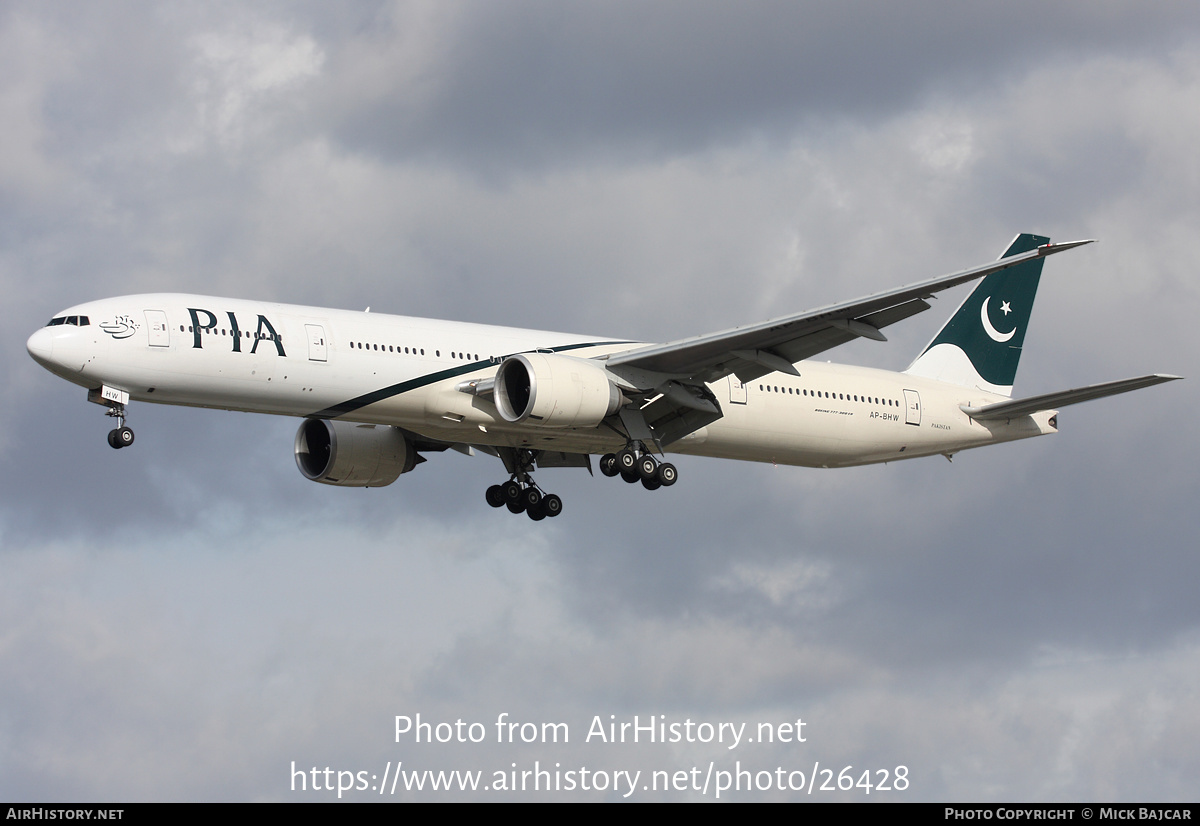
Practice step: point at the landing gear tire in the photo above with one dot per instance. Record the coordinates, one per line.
(515, 507)
(120, 437)
(512, 493)
(627, 460)
(536, 513)
(667, 475)
(495, 496)
(630, 476)
(647, 466)
(531, 498)
(552, 505)
(650, 483)
(608, 464)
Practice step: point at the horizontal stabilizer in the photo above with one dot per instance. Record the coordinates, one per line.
(1052, 401)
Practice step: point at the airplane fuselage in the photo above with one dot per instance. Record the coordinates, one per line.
(381, 369)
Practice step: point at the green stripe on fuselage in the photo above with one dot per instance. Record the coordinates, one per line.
(350, 405)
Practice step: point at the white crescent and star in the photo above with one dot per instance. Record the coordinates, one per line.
(993, 333)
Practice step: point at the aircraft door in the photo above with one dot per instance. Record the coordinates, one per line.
(317, 349)
(737, 390)
(156, 325)
(912, 407)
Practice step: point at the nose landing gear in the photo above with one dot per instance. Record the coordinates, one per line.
(115, 400)
(120, 436)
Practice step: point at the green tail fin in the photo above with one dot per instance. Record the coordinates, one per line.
(981, 344)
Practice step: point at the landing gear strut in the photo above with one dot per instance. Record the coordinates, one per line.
(120, 436)
(635, 464)
(520, 494)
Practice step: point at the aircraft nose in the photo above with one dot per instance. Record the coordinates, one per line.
(41, 347)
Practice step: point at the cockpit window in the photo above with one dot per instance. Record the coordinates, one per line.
(74, 320)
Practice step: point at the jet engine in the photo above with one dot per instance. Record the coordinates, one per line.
(555, 391)
(352, 455)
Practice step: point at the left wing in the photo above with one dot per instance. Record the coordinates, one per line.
(776, 345)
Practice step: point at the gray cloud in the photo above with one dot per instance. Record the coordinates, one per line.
(539, 82)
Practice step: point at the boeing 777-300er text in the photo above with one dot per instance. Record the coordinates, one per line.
(377, 392)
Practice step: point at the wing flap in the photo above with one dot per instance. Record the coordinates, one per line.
(557, 458)
(1051, 401)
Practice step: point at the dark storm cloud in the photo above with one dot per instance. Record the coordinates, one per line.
(526, 84)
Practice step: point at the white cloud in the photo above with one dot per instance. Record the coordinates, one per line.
(243, 75)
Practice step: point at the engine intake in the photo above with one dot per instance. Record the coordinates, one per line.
(352, 455)
(555, 391)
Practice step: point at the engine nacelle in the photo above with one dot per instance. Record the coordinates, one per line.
(352, 455)
(554, 391)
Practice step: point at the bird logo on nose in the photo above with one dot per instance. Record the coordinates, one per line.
(122, 326)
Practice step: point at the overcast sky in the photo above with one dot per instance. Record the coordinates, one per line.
(184, 619)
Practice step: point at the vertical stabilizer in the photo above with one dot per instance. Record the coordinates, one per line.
(981, 344)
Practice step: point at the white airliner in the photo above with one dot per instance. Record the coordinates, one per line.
(378, 391)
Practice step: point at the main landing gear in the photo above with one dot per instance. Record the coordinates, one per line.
(635, 464)
(521, 494)
(528, 499)
(120, 436)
